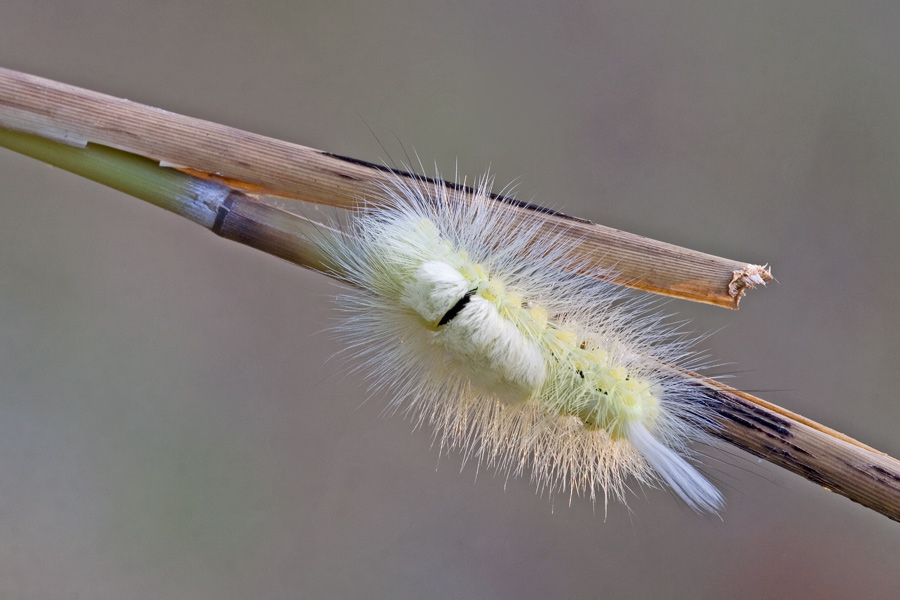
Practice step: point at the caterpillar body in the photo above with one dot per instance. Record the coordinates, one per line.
(477, 324)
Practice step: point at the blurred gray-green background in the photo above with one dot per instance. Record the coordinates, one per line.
(172, 424)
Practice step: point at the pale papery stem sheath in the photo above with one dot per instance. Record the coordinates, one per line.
(813, 451)
(276, 168)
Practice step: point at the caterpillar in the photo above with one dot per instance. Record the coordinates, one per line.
(477, 324)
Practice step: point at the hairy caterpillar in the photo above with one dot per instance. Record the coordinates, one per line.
(475, 328)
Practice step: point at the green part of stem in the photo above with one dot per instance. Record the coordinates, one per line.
(140, 177)
(227, 212)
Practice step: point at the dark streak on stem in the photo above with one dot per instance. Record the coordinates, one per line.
(454, 186)
(800, 449)
(222, 212)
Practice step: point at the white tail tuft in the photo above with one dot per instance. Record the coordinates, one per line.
(681, 476)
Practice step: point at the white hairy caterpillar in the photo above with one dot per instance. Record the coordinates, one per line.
(475, 328)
